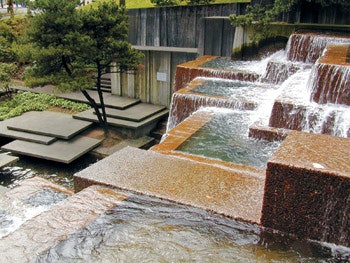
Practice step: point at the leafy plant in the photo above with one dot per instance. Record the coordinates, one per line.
(165, 2)
(73, 47)
(259, 17)
(29, 101)
(199, 2)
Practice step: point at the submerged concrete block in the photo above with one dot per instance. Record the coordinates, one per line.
(307, 189)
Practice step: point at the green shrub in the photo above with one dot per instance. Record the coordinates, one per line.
(29, 101)
(165, 2)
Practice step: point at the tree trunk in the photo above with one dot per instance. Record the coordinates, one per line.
(94, 105)
(102, 103)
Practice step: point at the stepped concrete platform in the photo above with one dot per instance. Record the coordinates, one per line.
(232, 192)
(59, 151)
(136, 113)
(6, 159)
(110, 100)
(47, 123)
(128, 128)
(38, 234)
(24, 136)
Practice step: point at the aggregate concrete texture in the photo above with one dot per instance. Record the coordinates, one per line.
(54, 124)
(220, 189)
(307, 189)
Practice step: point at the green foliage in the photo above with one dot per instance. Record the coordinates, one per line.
(28, 101)
(104, 32)
(10, 31)
(6, 71)
(72, 45)
(199, 2)
(165, 2)
(345, 4)
(259, 17)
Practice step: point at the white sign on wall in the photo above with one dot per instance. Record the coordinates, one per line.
(161, 76)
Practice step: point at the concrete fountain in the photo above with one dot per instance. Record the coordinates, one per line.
(307, 178)
(298, 192)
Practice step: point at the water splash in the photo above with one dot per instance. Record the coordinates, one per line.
(330, 83)
(309, 47)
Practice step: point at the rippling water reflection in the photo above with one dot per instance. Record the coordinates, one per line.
(144, 229)
(28, 167)
(225, 137)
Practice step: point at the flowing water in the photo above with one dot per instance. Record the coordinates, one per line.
(145, 229)
(27, 167)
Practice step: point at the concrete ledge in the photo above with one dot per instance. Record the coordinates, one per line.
(167, 49)
(128, 128)
(231, 192)
(59, 151)
(48, 123)
(24, 136)
(307, 189)
(6, 159)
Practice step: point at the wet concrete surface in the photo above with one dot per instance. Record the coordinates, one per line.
(37, 235)
(307, 188)
(231, 192)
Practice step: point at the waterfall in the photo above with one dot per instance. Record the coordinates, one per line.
(309, 47)
(183, 105)
(330, 84)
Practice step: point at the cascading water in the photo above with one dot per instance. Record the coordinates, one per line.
(330, 84)
(309, 47)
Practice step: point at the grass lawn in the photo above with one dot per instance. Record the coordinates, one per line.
(147, 3)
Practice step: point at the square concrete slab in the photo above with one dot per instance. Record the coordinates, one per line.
(6, 159)
(136, 113)
(59, 151)
(25, 136)
(48, 123)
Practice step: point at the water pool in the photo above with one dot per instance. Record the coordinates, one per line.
(225, 137)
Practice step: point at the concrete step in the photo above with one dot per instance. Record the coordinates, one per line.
(129, 128)
(233, 191)
(60, 151)
(48, 123)
(136, 113)
(24, 136)
(27, 200)
(6, 159)
(37, 235)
